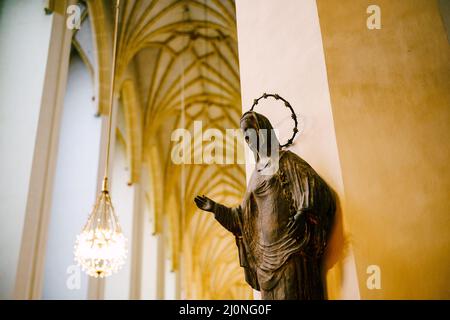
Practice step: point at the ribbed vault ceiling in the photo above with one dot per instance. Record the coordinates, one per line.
(178, 63)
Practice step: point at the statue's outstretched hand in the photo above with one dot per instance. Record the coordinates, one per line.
(205, 203)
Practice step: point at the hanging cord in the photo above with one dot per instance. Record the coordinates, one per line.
(111, 96)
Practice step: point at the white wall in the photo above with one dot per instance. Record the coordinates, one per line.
(170, 279)
(75, 182)
(24, 29)
(117, 286)
(280, 51)
(149, 259)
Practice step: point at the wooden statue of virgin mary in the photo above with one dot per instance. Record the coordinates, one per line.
(283, 223)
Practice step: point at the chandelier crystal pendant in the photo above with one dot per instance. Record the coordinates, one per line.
(101, 247)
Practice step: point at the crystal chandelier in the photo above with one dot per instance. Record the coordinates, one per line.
(101, 247)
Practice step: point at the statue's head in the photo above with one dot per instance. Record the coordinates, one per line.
(258, 133)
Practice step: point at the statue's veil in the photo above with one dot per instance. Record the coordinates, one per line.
(264, 124)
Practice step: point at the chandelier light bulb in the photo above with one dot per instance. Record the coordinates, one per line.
(101, 247)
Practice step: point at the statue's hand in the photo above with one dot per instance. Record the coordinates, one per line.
(296, 224)
(205, 203)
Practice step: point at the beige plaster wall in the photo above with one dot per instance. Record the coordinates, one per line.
(280, 51)
(390, 95)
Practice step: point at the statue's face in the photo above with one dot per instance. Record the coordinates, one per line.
(249, 130)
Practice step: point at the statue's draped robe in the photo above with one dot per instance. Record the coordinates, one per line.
(280, 264)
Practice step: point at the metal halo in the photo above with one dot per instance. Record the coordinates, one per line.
(288, 105)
